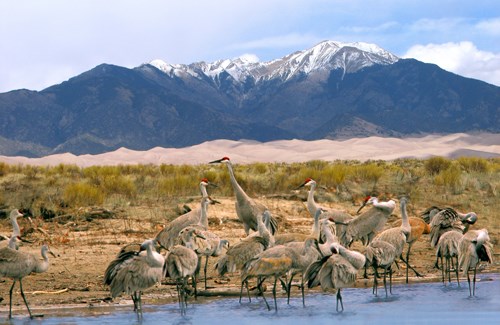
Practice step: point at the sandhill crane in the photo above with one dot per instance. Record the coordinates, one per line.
(237, 255)
(338, 216)
(336, 271)
(16, 265)
(16, 231)
(398, 236)
(380, 254)
(418, 228)
(247, 209)
(365, 226)
(278, 261)
(207, 244)
(473, 248)
(181, 263)
(305, 253)
(448, 219)
(167, 237)
(132, 272)
(447, 248)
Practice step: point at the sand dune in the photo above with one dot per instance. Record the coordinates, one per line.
(376, 148)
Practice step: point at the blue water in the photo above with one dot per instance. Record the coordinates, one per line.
(423, 303)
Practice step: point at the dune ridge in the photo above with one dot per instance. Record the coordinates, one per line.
(485, 145)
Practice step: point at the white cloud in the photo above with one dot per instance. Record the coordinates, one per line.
(462, 58)
(491, 26)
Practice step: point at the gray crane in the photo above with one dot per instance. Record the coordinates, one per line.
(182, 263)
(306, 253)
(132, 272)
(336, 271)
(167, 237)
(447, 248)
(207, 244)
(474, 247)
(365, 226)
(381, 254)
(276, 262)
(398, 236)
(247, 208)
(16, 231)
(16, 265)
(449, 219)
(240, 253)
(341, 218)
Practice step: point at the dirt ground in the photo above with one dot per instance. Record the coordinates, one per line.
(85, 246)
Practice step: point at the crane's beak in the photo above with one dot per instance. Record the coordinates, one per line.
(52, 253)
(216, 161)
(301, 186)
(212, 184)
(361, 207)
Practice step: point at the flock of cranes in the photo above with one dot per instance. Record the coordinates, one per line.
(323, 258)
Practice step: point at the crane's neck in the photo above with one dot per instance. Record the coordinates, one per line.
(16, 231)
(42, 265)
(203, 222)
(238, 191)
(312, 206)
(315, 228)
(203, 190)
(13, 242)
(327, 232)
(154, 258)
(263, 230)
(355, 258)
(405, 224)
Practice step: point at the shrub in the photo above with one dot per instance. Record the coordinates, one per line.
(82, 194)
(435, 165)
(450, 177)
(473, 164)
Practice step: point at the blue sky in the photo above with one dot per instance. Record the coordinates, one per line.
(46, 42)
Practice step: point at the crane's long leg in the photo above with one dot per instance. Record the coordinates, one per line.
(409, 266)
(385, 281)
(456, 270)
(375, 281)
(10, 295)
(474, 281)
(25, 301)
(274, 294)
(339, 298)
(468, 280)
(289, 289)
(205, 271)
(442, 268)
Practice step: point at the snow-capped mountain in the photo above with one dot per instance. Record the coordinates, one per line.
(331, 91)
(326, 56)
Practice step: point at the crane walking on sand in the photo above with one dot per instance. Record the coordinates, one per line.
(168, 236)
(336, 271)
(16, 265)
(134, 271)
(247, 209)
(474, 247)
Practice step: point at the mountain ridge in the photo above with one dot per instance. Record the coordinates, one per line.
(323, 92)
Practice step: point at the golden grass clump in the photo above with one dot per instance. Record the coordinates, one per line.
(83, 194)
(435, 165)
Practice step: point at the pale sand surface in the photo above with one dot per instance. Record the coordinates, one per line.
(376, 148)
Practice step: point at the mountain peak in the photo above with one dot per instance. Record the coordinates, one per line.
(326, 55)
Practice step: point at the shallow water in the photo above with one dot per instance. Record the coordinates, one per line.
(422, 303)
